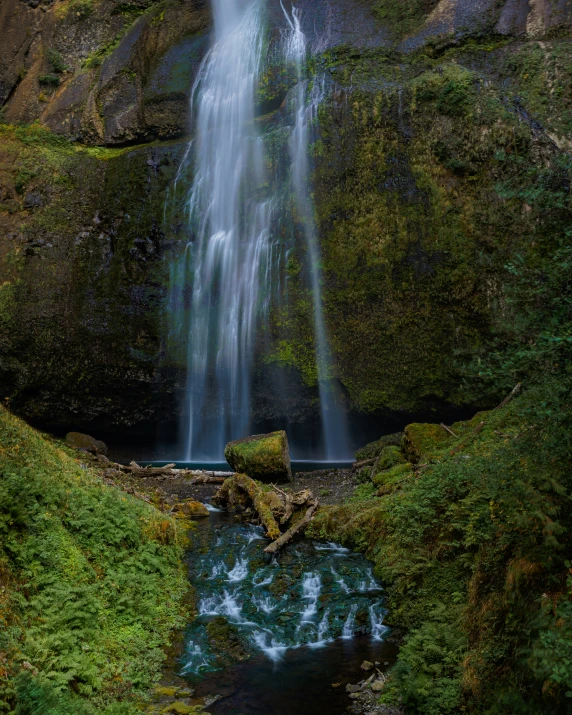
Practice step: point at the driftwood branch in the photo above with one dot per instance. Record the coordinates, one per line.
(512, 395)
(289, 535)
(447, 429)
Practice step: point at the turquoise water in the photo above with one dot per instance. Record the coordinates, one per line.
(314, 595)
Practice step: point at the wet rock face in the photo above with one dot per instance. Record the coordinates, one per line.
(77, 440)
(100, 74)
(421, 173)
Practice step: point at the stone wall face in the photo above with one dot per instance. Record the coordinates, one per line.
(437, 154)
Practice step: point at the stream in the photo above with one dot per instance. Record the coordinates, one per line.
(300, 625)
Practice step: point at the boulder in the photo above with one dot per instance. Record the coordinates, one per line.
(77, 440)
(422, 440)
(263, 456)
(374, 449)
(192, 508)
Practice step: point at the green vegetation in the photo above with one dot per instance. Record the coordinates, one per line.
(56, 61)
(49, 80)
(91, 583)
(475, 546)
(404, 16)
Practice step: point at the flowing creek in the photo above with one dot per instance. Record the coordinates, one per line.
(310, 617)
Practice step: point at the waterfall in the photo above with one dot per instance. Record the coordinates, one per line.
(311, 587)
(306, 105)
(348, 632)
(225, 278)
(231, 251)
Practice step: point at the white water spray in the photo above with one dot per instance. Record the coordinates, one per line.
(305, 107)
(230, 255)
(348, 632)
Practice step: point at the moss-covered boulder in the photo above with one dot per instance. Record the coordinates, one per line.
(374, 449)
(421, 440)
(191, 508)
(390, 457)
(263, 456)
(77, 440)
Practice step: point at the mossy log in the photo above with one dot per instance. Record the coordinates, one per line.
(271, 507)
(291, 533)
(239, 486)
(264, 457)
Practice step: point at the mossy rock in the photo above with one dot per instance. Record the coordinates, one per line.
(374, 449)
(393, 475)
(422, 440)
(77, 440)
(390, 457)
(226, 642)
(264, 457)
(192, 508)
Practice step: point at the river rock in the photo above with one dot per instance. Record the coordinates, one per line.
(77, 440)
(366, 665)
(264, 456)
(192, 508)
(377, 686)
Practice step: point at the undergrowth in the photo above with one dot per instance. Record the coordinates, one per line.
(475, 548)
(91, 583)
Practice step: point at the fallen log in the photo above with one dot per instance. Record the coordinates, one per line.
(281, 541)
(229, 493)
(208, 479)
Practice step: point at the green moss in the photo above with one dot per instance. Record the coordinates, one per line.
(374, 449)
(390, 457)
(473, 552)
(93, 581)
(403, 17)
(393, 475)
(422, 441)
(262, 457)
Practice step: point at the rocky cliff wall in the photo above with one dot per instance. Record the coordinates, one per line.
(443, 156)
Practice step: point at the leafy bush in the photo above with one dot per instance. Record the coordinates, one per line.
(56, 61)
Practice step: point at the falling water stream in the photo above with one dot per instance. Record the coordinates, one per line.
(232, 261)
(311, 617)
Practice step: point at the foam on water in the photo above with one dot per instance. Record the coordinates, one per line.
(348, 631)
(331, 546)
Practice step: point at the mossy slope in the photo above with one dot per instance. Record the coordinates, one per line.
(474, 546)
(92, 583)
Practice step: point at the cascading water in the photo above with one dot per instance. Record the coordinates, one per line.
(305, 112)
(229, 266)
(314, 595)
(231, 253)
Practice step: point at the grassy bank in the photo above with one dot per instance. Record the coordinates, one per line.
(91, 583)
(472, 535)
